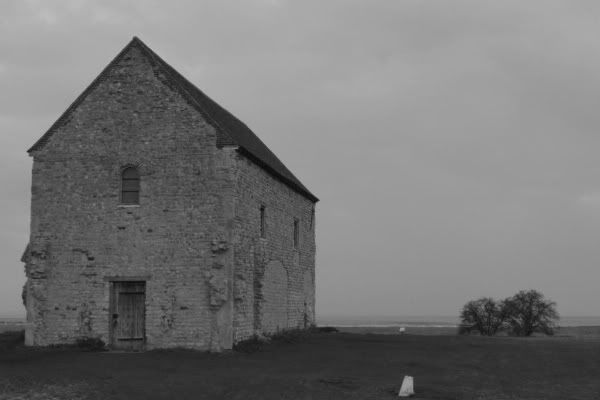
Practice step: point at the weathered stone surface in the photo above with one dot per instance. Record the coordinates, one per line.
(194, 238)
(280, 297)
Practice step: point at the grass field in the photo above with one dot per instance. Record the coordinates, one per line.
(315, 366)
(574, 332)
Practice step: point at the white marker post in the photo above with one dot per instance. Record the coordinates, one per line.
(407, 388)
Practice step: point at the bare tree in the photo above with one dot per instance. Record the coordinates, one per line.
(529, 312)
(485, 315)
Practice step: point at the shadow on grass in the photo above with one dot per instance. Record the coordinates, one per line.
(10, 340)
(256, 343)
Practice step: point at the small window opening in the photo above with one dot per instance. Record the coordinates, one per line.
(263, 227)
(130, 186)
(312, 217)
(296, 232)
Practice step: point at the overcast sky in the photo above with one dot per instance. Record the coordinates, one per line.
(455, 145)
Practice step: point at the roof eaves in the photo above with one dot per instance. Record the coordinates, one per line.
(278, 176)
(185, 88)
(174, 79)
(189, 92)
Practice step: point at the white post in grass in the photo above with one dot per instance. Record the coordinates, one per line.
(407, 390)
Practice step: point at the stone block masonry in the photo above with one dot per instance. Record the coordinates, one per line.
(274, 280)
(193, 240)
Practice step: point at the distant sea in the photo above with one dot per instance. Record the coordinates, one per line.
(422, 321)
(11, 321)
(419, 321)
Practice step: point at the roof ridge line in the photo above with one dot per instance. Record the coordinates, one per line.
(229, 129)
(166, 68)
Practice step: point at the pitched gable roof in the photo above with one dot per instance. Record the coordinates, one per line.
(230, 130)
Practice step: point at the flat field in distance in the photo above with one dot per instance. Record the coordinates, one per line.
(315, 366)
(10, 327)
(574, 332)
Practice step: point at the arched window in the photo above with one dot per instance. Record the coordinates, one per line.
(130, 186)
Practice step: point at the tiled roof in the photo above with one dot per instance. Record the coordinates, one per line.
(230, 130)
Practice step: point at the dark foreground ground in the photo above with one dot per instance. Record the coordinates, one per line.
(315, 366)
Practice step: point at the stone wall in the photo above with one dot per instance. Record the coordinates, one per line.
(273, 282)
(273, 300)
(194, 238)
(178, 238)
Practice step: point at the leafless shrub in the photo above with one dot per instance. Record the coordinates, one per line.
(485, 315)
(529, 312)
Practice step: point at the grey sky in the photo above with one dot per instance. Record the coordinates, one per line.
(453, 144)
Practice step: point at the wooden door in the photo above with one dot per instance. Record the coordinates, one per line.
(128, 322)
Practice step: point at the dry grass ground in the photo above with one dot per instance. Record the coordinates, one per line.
(574, 332)
(316, 366)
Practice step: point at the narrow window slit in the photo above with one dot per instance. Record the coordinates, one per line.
(296, 232)
(130, 186)
(263, 227)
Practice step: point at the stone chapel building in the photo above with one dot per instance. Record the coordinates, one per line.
(158, 219)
